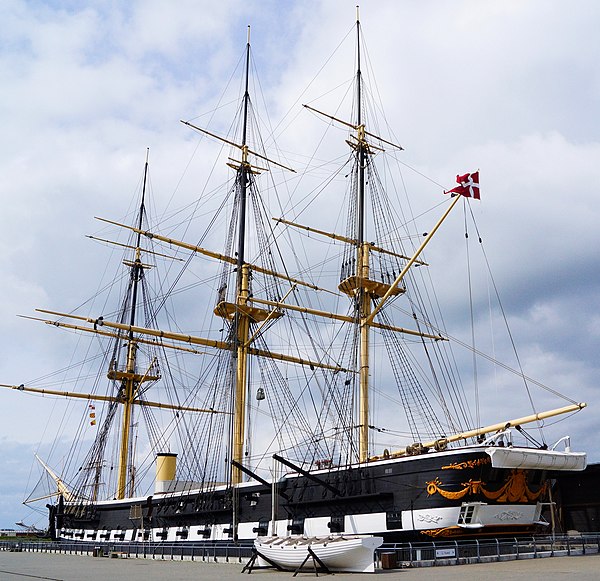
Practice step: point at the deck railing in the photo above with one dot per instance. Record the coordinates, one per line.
(420, 554)
(216, 552)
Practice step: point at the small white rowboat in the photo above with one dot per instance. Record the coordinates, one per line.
(348, 553)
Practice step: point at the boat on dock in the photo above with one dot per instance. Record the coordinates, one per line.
(336, 553)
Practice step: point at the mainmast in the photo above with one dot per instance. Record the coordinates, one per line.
(241, 326)
(240, 312)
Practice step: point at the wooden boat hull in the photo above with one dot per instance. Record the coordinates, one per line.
(537, 459)
(350, 554)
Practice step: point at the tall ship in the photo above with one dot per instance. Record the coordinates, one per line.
(304, 404)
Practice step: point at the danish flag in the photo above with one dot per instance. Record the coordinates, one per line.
(469, 186)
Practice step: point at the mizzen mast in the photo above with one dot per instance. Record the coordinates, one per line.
(130, 380)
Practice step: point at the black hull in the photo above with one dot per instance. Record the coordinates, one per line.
(578, 496)
(452, 494)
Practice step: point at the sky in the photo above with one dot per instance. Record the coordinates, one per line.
(511, 88)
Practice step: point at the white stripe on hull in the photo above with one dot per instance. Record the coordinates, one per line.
(474, 515)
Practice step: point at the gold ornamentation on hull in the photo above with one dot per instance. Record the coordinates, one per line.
(514, 490)
(468, 464)
(471, 487)
(445, 532)
(456, 531)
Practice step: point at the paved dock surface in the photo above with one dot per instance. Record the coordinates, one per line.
(54, 567)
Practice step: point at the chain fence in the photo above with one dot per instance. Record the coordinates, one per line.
(388, 556)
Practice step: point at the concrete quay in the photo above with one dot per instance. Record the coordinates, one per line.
(27, 566)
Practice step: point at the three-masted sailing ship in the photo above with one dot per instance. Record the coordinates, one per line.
(296, 458)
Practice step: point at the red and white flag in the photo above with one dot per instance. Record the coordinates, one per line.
(469, 185)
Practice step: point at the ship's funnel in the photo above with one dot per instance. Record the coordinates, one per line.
(166, 465)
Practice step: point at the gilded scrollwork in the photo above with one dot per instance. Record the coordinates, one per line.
(468, 464)
(514, 490)
(444, 532)
(470, 487)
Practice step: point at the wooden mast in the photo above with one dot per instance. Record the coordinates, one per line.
(240, 311)
(129, 379)
(358, 286)
(362, 260)
(241, 325)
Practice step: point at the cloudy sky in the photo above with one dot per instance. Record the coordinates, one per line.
(511, 88)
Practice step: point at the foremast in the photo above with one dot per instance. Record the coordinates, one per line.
(369, 294)
(361, 287)
(362, 260)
